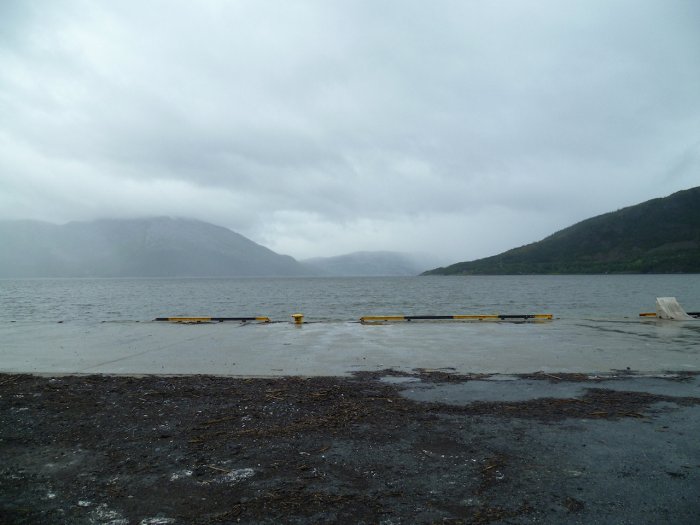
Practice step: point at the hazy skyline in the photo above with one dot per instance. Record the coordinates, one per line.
(318, 128)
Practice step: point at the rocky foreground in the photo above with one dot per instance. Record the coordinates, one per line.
(383, 447)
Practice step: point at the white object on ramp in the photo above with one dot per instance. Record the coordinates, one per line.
(668, 308)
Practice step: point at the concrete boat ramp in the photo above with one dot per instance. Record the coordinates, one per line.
(341, 348)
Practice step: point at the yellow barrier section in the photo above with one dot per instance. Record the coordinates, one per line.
(382, 318)
(212, 319)
(189, 319)
(471, 317)
(653, 314)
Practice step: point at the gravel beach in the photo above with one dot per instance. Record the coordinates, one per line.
(380, 447)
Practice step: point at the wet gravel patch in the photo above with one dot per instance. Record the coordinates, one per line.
(203, 449)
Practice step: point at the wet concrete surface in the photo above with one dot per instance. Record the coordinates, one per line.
(335, 349)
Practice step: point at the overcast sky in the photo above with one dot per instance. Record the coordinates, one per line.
(458, 128)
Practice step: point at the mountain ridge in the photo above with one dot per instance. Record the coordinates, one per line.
(147, 247)
(169, 247)
(368, 264)
(661, 235)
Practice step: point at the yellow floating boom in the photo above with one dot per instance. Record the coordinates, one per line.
(653, 314)
(211, 319)
(472, 317)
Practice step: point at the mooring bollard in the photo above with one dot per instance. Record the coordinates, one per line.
(298, 318)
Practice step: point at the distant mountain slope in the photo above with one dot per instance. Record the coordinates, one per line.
(657, 236)
(154, 247)
(367, 264)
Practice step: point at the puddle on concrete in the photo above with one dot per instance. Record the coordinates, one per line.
(493, 390)
(502, 377)
(397, 380)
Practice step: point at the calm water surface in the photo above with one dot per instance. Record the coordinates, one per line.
(340, 299)
(103, 325)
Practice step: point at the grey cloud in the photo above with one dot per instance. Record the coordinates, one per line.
(350, 119)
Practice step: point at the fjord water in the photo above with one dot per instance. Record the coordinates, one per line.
(103, 325)
(340, 299)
